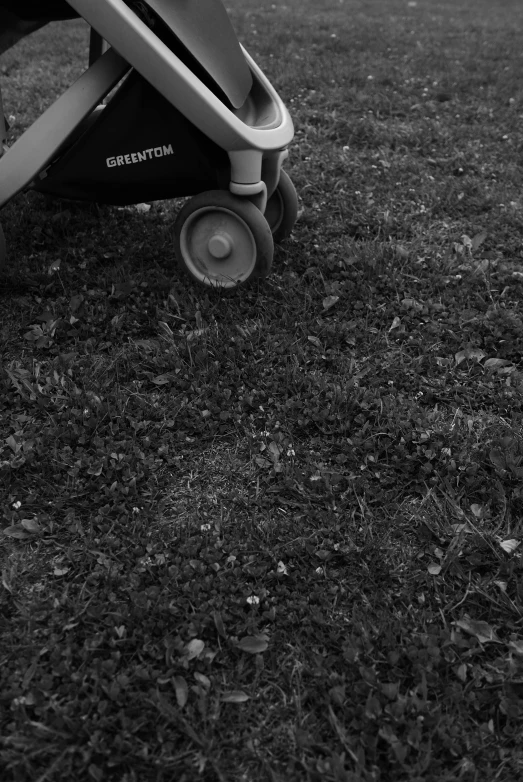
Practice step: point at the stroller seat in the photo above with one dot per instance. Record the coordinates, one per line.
(19, 18)
(41, 10)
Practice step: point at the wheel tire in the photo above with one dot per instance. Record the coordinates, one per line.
(3, 249)
(222, 240)
(282, 208)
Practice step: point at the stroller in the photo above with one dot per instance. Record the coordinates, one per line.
(170, 106)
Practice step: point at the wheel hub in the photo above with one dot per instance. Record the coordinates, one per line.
(220, 246)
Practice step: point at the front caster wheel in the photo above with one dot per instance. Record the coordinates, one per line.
(223, 240)
(282, 208)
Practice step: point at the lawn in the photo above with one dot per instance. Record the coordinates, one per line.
(275, 535)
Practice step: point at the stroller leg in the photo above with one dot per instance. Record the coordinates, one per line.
(42, 141)
(97, 47)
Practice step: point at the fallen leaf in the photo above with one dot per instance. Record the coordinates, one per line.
(330, 301)
(121, 290)
(162, 380)
(13, 444)
(412, 304)
(218, 623)
(390, 689)
(181, 690)
(510, 545)
(234, 696)
(478, 240)
(253, 644)
(469, 353)
(31, 525)
(17, 532)
(395, 323)
(194, 648)
(496, 363)
(274, 450)
(315, 341)
(202, 679)
(483, 631)
(461, 672)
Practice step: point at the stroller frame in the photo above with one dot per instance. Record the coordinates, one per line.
(254, 136)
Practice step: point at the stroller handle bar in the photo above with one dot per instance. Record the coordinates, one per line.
(137, 44)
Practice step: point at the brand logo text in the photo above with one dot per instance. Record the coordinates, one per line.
(139, 157)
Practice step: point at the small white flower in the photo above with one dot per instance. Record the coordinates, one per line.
(205, 527)
(253, 600)
(291, 452)
(319, 571)
(282, 568)
(17, 504)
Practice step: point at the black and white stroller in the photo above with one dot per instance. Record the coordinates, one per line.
(192, 115)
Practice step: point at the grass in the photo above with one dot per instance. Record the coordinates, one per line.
(275, 535)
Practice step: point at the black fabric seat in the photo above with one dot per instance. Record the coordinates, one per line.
(19, 18)
(44, 10)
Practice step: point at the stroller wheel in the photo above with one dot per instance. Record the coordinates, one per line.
(3, 250)
(223, 240)
(282, 208)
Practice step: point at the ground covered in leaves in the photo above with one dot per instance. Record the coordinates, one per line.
(276, 535)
